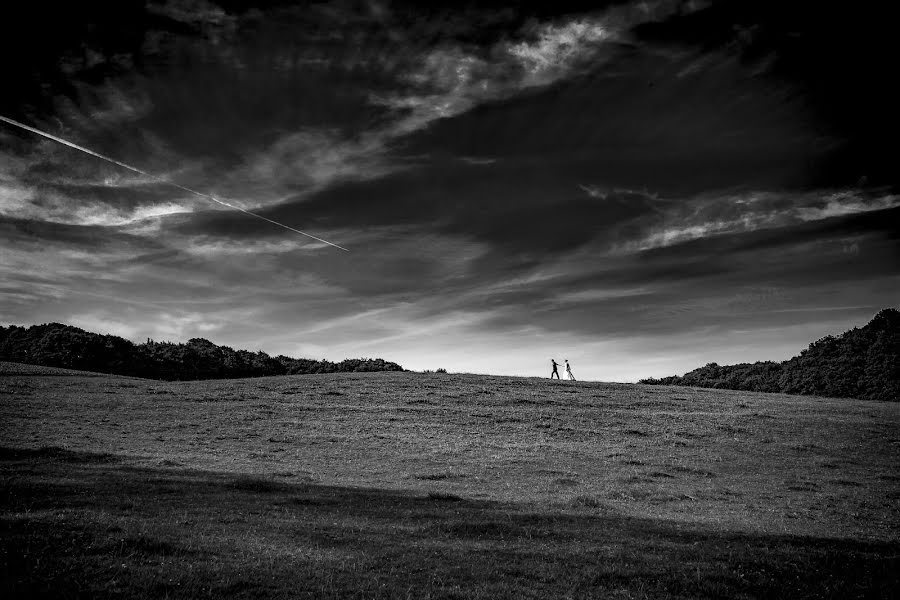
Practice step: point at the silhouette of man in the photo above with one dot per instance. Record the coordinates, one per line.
(555, 372)
(569, 371)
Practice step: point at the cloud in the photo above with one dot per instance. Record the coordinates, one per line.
(595, 295)
(293, 162)
(478, 161)
(300, 163)
(593, 191)
(558, 49)
(21, 201)
(162, 327)
(96, 108)
(452, 79)
(456, 78)
(192, 12)
(727, 214)
(375, 331)
(221, 249)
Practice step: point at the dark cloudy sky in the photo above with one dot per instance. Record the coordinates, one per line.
(639, 187)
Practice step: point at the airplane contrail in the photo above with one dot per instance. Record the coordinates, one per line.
(162, 179)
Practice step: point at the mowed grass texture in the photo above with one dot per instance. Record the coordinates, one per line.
(396, 485)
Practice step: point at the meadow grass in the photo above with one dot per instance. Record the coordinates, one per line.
(395, 485)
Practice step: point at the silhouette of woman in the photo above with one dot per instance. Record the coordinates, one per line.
(569, 371)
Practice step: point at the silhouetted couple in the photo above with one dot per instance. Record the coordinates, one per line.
(569, 375)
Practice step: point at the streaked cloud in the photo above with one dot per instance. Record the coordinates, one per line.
(713, 215)
(192, 12)
(219, 249)
(27, 202)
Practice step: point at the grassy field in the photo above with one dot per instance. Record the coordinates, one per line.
(396, 485)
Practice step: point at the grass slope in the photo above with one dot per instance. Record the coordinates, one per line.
(391, 485)
(9, 369)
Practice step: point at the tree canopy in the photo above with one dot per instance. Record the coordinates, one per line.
(59, 345)
(861, 363)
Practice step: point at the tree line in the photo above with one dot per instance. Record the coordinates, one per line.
(59, 345)
(860, 363)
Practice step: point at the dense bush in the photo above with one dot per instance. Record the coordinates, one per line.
(58, 345)
(860, 363)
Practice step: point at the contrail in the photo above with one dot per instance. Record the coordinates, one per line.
(162, 179)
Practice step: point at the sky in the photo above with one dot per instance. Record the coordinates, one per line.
(638, 187)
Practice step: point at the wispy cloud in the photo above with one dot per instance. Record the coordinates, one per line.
(98, 108)
(558, 49)
(478, 161)
(445, 81)
(23, 201)
(165, 325)
(452, 79)
(202, 14)
(222, 249)
(643, 197)
(301, 163)
(730, 213)
(596, 295)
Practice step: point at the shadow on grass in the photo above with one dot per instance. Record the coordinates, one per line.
(78, 525)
